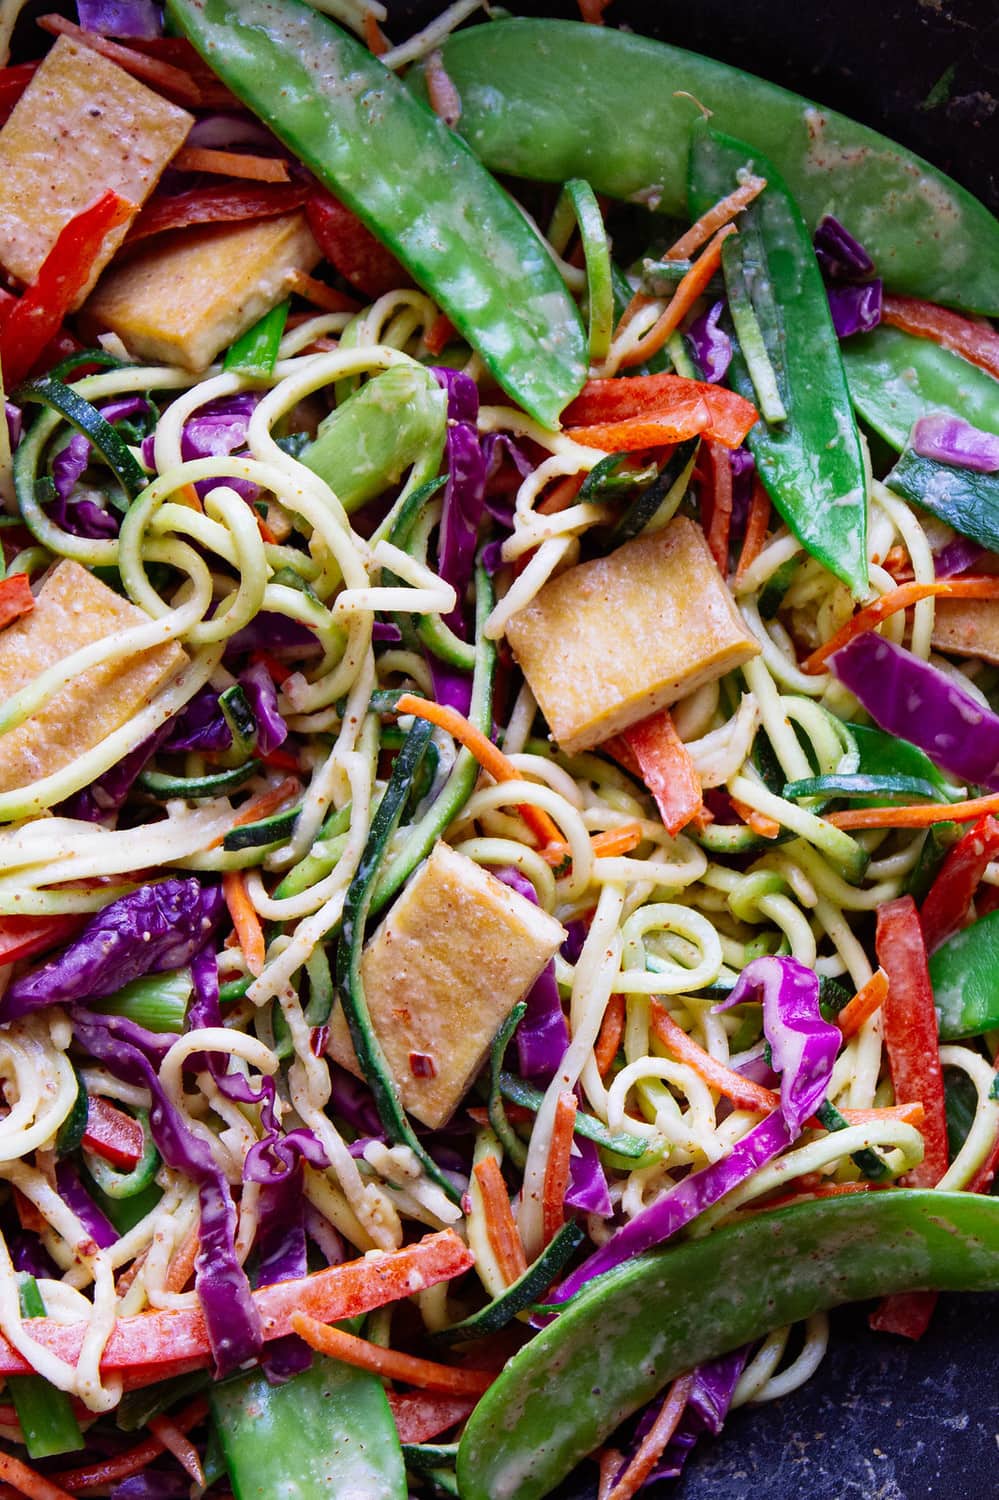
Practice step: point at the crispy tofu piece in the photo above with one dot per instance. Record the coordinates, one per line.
(609, 642)
(969, 627)
(191, 293)
(82, 125)
(444, 969)
(73, 609)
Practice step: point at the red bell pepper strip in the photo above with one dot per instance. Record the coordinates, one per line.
(344, 1291)
(658, 409)
(13, 82)
(951, 894)
(716, 506)
(161, 74)
(422, 1415)
(112, 1134)
(351, 248)
(975, 341)
(179, 51)
(913, 1048)
(216, 205)
(654, 751)
(23, 937)
(16, 598)
(36, 317)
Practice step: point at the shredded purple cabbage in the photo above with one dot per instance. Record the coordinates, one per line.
(154, 928)
(711, 344)
(106, 796)
(804, 1048)
(743, 467)
(452, 686)
(200, 725)
(352, 1100)
(153, 1484)
(275, 634)
(141, 19)
(950, 440)
(465, 491)
(272, 731)
(543, 1034)
(707, 1407)
(587, 1190)
(841, 257)
(909, 698)
(28, 1254)
(78, 1201)
(15, 423)
(855, 309)
(957, 557)
(282, 1257)
(216, 430)
(385, 632)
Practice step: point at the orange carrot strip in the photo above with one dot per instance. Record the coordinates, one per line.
(654, 1441)
(180, 1446)
(264, 804)
(318, 293)
(720, 525)
(181, 1267)
(152, 69)
(865, 1002)
(766, 827)
(557, 1167)
(231, 164)
(244, 919)
(611, 1031)
(915, 816)
(374, 37)
(28, 1481)
(124, 1465)
(900, 598)
(16, 598)
(683, 299)
(439, 334)
(392, 1364)
(757, 524)
(721, 213)
(501, 1229)
(609, 1463)
(488, 755)
(605, 845)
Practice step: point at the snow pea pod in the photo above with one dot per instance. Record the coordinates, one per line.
(413, 182)
(617, 117)
(895, 378)
(810, 461)
(963, 976)
(964, 499)
(632, 1331)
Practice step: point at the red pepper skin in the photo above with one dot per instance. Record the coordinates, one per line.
(35, 318)
(951, 894)
(23, 937)
(112, 1134)
(351, 248)
(654, 751)
(652, 401)
(13, 82)
(976, 341)
(16, 598)
(230, 204)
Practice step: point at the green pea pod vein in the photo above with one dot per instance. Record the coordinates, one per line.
(414, 182)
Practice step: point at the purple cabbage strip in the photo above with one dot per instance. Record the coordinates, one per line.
(85, 517)
(712, 345)
(909, 698)
(141, 19)
(855, 309)
(543, 1034)
(107, 794)
(275, 634)
(78, 1201)
(15, 423)
(231, 1318)
(272, 731)
(200, 725)
(153, 1484)
(154, 928)
(452, 686)
(492, 557)
(352, 1100)
(840, 256)
(282, 1257)
(28, 1254)
(465, 491)
(743, 467)
(950, 440)
(217, 430)
(386, 632)
(957, 557)
(804, 1049)
(587, 1188)
(707, 1407)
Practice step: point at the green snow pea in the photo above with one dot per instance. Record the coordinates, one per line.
(45, 1414)
(895, 378)
(255, 352)
(809, 459)
(966, 500)
(413, 182)
(395, 420)
(329, 1431)
(963, 976)
(633, 1330)
(620, 116)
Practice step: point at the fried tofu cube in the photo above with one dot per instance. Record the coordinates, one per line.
(609, 642)
(189, 294)
(441, 974)
(82, 125)
(73, 609)
(969, 627)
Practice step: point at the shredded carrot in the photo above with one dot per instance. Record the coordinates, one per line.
(488, 755)
(231, 164)
(900, 598)
(175, 1442)
(683, 299)
(181, 1267)
(172, 80)
(374, 37)
(865, 1002)
(188, 495)
(720, 214)
(757, 525)
(720, 524)
(28, 1216)
(651, 1447)
(606, 845)
(560, 496)
(28, 1481)
(556, 1182)
(391, 1364)
(123, 1465)
(897, 561)
(760, 823)
(439, 334)
(327, 298)
(501, 1228)
(244, 919)
(280, 760)
(915, 816)
(611, 1032)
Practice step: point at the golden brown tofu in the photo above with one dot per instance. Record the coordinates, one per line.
(82, 125)
(969, 627)
(609, 642)
(448, 964)
(189, 294)
(73, 609)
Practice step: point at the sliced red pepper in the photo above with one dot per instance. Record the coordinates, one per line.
(13, 82)
(659, 401)
(36, 317)
(16, 598)
(179, 51)
(975, 341)
(716, 507)
(951, 894)
(162, 75)
(112, 1134)
(351, 248)
(913, 1047)
(422, 1415)
(23, 937)
(654, 751)
(216, 205)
